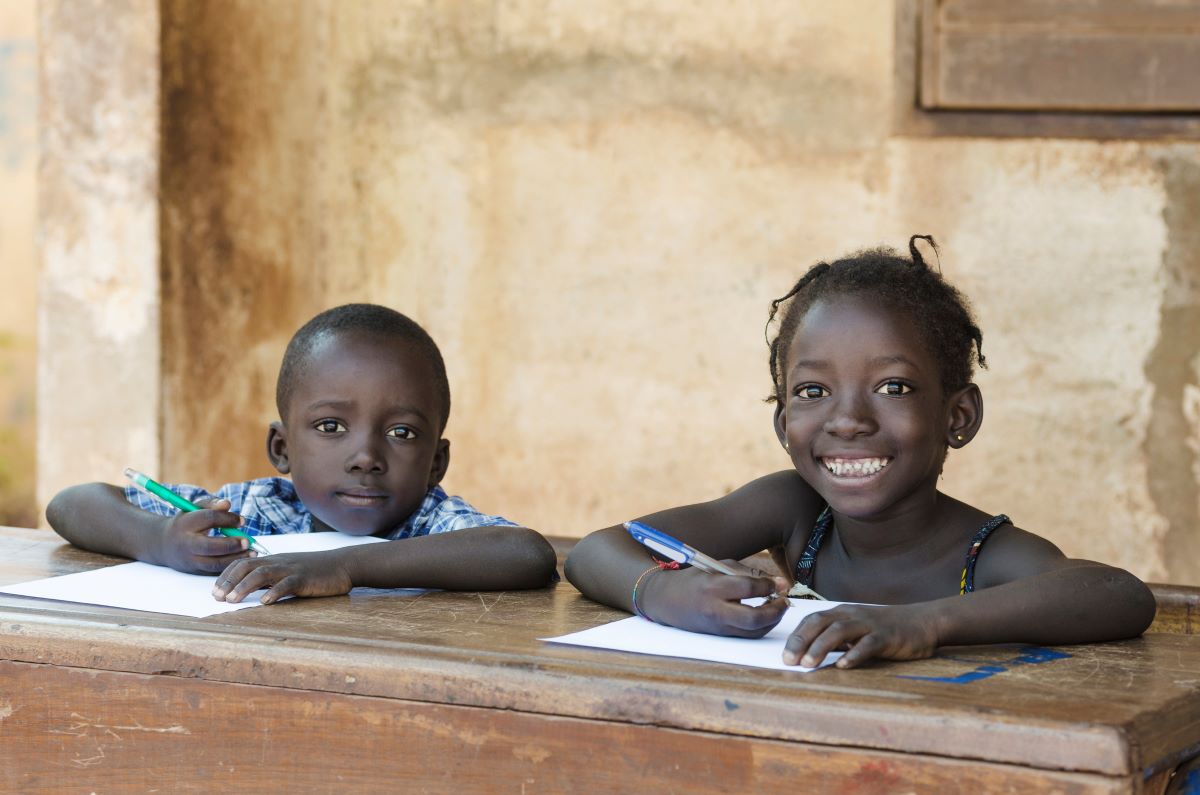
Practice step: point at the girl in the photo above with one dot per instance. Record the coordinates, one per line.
(872, 366)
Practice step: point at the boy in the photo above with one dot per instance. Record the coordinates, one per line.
(363, 399)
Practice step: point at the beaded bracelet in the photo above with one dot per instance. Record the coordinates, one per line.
(633, 598)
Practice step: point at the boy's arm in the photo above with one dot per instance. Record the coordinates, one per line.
(97, 516)
(606, 564)
(492, 558)
(1032, 594)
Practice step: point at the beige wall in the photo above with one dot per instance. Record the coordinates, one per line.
(18, 259)
(590, 207)
(99, 379)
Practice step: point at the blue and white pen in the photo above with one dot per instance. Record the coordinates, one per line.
(674, 549)
(685, 555)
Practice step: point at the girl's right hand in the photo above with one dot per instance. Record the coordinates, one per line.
(186, 545)
(711, 603)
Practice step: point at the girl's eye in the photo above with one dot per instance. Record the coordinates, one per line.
(894, 388)
(811, 391)
(402, 432)
(329, 426)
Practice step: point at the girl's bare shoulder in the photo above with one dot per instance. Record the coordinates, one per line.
(1012, 553)
(780, 501)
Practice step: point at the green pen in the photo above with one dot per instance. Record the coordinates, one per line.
(171, 498)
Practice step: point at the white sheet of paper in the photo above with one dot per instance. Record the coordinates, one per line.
(158, 589)
(645, 637)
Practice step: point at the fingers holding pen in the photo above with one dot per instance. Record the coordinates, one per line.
(703, 602)
(764, 583)
(212, 553)
(209, 502)
(753, 622)
(187, 542)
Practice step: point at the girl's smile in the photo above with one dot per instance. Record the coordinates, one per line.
(851, 467)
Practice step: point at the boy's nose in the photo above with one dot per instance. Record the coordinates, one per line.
(367, 457)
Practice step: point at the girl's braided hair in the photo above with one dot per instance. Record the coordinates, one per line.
(941, 313)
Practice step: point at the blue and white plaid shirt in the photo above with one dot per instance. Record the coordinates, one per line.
(270, 505)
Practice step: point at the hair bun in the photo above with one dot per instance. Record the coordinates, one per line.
(916, 255)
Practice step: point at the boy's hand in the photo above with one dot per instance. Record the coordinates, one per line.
(711, 603)
(186, 546)
(297, 574)
(898, 632)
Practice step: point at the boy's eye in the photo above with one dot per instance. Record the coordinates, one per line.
(402, 432)
(894, 388)
(329, 426)
(811, 391)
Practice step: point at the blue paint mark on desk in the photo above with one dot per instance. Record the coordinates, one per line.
(729, 705)
(1190, 784)
(1030, 655)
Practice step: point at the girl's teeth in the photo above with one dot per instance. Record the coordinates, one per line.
(857, 467)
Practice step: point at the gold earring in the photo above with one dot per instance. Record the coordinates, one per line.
(958, 437)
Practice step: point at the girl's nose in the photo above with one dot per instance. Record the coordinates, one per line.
(851, 417)
(367, 456)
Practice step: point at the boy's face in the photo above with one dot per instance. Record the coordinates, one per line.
(361, 435)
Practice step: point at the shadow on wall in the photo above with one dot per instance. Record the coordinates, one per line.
(17, 498)
(18, 192)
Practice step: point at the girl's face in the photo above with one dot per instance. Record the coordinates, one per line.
(864, 416)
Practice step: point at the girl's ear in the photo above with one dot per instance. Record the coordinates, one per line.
(781, 425)
(277, 448)
(441, 462)
(966, 415)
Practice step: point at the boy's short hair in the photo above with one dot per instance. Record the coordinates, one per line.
(357, 318)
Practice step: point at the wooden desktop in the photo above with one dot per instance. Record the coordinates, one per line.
(453, 692)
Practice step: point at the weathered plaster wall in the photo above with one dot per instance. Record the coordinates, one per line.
(590, 207)
(18, 205)
(98, 309)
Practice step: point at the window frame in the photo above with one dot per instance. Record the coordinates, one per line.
(913, 20)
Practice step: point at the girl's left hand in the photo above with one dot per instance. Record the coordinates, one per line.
(896, 632)
(297, 574)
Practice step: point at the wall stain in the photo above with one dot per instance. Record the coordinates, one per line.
(18, 103)
(1170, 369)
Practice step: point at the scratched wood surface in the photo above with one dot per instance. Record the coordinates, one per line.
(1178, 609)
(1123, 712)
(238, 736)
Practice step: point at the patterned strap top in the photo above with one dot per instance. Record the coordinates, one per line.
(808, 560)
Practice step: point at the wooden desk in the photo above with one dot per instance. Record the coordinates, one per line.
(1178, 609)
(446, 692)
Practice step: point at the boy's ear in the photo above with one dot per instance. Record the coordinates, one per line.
(965, 415)
(277, 448)
(441, 462)
(781, 425)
